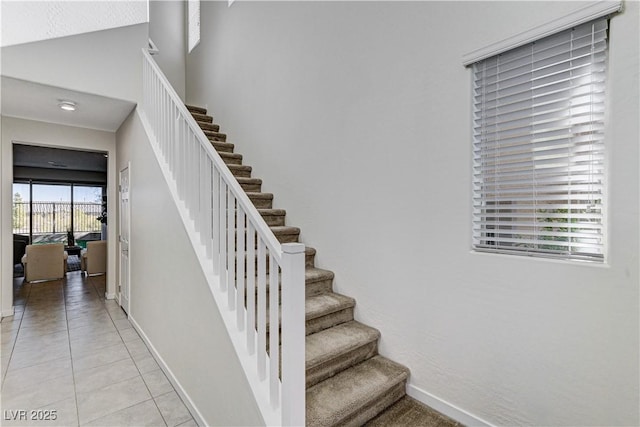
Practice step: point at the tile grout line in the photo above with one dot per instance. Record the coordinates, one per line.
(73, 374)
(26, 301)
(130, 356)
(136, 365)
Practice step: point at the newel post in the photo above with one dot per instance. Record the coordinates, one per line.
(293, 335)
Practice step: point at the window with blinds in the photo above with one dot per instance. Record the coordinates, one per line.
(538, 147)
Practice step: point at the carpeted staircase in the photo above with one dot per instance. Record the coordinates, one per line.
(348, 382)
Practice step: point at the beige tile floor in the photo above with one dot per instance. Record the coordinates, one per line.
(67, 351)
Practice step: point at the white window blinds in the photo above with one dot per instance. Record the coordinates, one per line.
(538, 146)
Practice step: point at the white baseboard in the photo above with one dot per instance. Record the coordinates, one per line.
(110, 296)
(7, 313)
(446, 408)
(197, 416)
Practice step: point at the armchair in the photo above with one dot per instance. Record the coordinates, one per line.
(20, 243)
(44, 262)
(94, 259)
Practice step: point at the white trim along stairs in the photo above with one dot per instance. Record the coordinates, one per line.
(347, 382)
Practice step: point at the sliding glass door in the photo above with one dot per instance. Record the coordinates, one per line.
(51, 213)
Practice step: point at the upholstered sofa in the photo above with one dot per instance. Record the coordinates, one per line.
(93, 260)
(44, 262)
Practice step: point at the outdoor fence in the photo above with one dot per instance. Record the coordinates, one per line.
(55, 217)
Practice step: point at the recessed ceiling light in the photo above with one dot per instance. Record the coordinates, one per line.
(67, 105)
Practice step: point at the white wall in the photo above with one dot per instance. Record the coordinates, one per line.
(29, 21)
(167, 30)
(52, 135)
(170, 298)
(357, 116)
(107, 63)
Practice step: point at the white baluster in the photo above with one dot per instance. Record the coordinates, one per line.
(251, 288)
(223, 234)
(240, 262)
(262, 309)
(231, 242)
(274, 333)
(216, 221)
(209, 206)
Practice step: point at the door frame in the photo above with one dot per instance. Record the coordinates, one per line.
(119, 295)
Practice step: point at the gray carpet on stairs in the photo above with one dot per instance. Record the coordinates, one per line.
(408, 412)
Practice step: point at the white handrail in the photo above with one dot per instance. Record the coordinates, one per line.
(242, 255)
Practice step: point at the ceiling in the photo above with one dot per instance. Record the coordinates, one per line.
(35, 101)
(58, 158)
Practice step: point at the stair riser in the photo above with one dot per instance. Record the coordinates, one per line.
(288, 238)
(223, 147)
(319, 287)
(330, 320)
(252, 188)
(309, 260)
(198, 110)
(375, 407)
(262, 203)
(273, 220)
(209, 126)
(202, 118)
(343, 361)
(240, 173)
(214, 136)
(231, 160)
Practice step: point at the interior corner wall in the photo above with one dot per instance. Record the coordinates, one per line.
(52, 135)
(170, 298)
(357, 115)
(167, 29)
(107, 63)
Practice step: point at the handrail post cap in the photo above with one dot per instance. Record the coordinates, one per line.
(292, 248)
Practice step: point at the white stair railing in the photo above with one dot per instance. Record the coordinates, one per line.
(246, 260)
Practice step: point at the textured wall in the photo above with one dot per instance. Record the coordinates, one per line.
(29, 21)
(167, 30)
(357, 115)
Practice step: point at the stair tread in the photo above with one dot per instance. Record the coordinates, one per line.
(213, 133)
(327, 303)
(241, 167)
(233, 155)
(249, 181)
(194, 109)
(275, 212)
(222, 144)
(284, 229)
(336, 399)
(257, 195)
(328, 344)
(199, 117)
(208, 126)
(408, 412)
